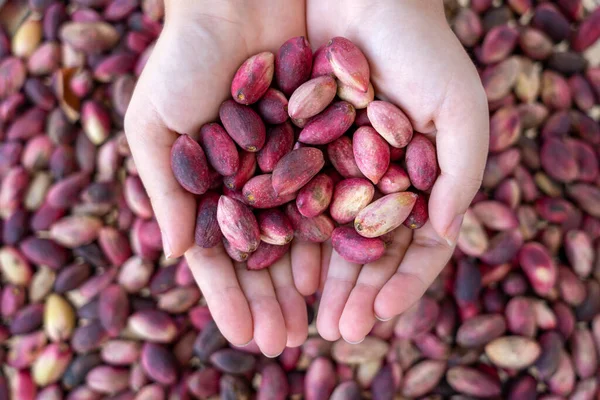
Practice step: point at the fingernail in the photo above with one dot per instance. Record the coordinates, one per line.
(378, 318)
(166, 246)
(276, 355)
(453, 230)
(245, 344)
(360, 341)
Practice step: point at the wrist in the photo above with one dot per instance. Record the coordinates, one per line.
(356, 8)
(190, 9)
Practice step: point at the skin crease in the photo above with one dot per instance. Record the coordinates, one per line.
(416, 62)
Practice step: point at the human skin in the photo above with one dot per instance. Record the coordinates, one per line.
(416, 62)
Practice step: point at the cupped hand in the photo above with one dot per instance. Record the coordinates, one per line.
(184, 82)
(418, 64)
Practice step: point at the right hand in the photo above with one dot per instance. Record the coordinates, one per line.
(417, 63)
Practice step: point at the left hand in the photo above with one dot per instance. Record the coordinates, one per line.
(187, 77)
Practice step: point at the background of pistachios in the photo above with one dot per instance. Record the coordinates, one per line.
(90, 308)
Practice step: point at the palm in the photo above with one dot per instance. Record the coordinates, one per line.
(416, 63)
(190, 78)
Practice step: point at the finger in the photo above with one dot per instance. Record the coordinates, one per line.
(306, 265)
(293, 305)
(215, 275)
(427, 254)
(462, 145)
(341, 278)
(358, 316)
(269, 325)
(250, 347)
(326, 250)
(150, 142)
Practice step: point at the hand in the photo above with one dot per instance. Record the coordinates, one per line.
(187, 77)
(418, 64)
